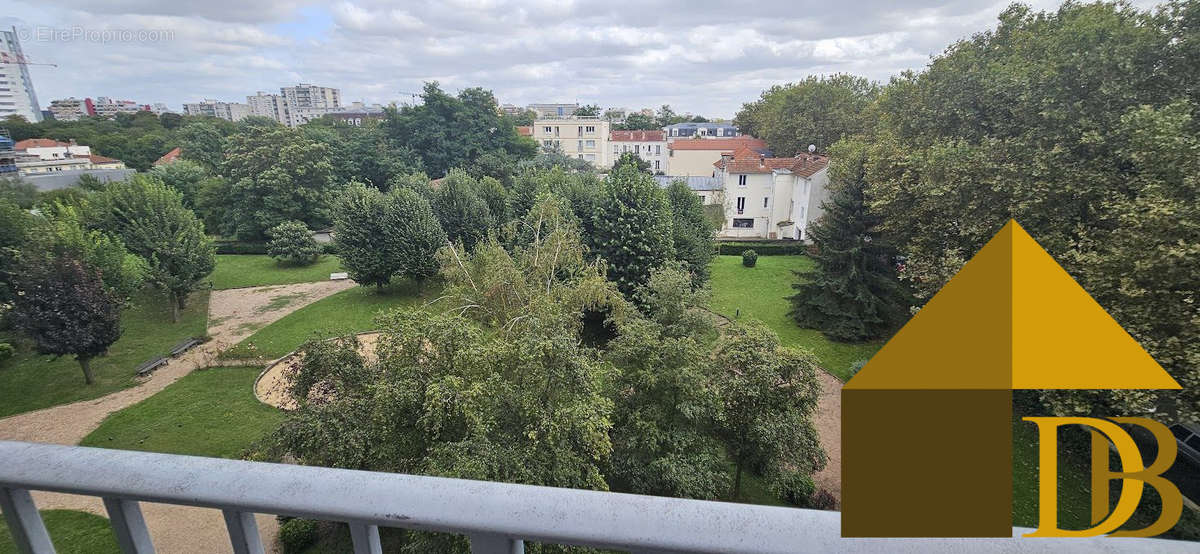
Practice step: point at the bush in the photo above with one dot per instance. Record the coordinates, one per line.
(240, 247)
(297, 534)
(763, 248)
(6, 351)
(855, 367)
(823, 500)
(749, 258)
(796, 489)
(292, 242)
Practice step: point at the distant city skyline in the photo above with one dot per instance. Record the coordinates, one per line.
(705, 59)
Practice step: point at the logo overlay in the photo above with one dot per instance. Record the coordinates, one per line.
(927, 423)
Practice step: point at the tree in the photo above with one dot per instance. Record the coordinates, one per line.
(292, 242)
(629, 158)
(819, 110)
(379, 236)
(151, 220)
(18, 191)
(692, 232)
(639, 122)
(417, 237)
(854, 294)
(121, 272)
(632, 227)
(64, 308)
(201, 142)
(769, 394)
(184, 176)
(276, 175)
(15, 232)
(589, 110)
(460, 209)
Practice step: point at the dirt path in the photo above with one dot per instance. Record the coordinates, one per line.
(232, 316)
(272, 386)
(828, 420)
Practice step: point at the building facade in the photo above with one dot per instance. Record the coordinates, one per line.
(585, 138)
(650, 146)
(264, 104)
(16, 86)
(229, 111)
(771, 198)
(695, 130)
(696, 156)
(72, 109)
(553, 111)
(108, 107)
(305, 102)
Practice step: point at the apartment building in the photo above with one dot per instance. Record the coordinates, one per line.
(229, 111)
(16, 86)
(696, 130)
(586, 138)
(696, 156)
(41, 156)
(72, 109)
(108, 107)
(305, 102)
(264, 104)
(650, 146)
(771, 198)
(554, 110)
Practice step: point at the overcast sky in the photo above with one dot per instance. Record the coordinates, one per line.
(700, 56)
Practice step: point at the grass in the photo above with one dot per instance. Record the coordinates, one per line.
(349, 311)
(72, 533)
(29, 381)
(249, 270)
(211, 412)
(1074, 483)
(761, 292)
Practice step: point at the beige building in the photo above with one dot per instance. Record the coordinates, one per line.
(581, 137)
(40, 156)
(696, 156)
(771, 198)
(650, 146)
(230, 111)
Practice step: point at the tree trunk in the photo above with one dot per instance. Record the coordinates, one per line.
(174, 308)
(181, 299)
(737, 482)
(86, 365)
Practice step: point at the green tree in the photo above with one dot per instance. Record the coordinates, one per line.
(692, 232)
(64, 308)
(201, 142)
(18, 191)
(819, 110)
(379, 236)
(461, 210)
(632, 227)
(15, 227)
(151, 220)
(638, 122)
(293, 243)
(121, 272)
(276, 175)
(629, 158)
(588, 110)
(184, 176)
(854, 293)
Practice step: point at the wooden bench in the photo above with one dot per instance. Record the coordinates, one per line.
(150, 365)
(184, 346)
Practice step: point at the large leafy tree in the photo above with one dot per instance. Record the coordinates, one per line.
(692, 232)
(15, 227)
(202, 143)
(363, 153)
(853, 294)
(632, 227)
(276, 174)
(151, 220)
(380, 236)
(185, 176)
(819, 110)
(64, 308)
(462, 210)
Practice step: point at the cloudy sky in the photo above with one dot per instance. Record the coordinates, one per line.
(700, 56)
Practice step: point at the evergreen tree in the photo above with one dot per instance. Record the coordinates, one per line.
(691, 232)
(854, 294)
(632, 227)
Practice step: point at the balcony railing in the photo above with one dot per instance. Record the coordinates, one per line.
(497, 517)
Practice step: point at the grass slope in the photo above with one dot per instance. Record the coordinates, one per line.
(248, 270)
(211, 412)
(72, 533)
(761, 292)
(29, 381)
(349, 311)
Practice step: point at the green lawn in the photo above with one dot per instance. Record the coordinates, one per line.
(72, 533)
(210, 412)
(761, 292)
(349, 311)
(249, 270)
(1074, 485)
(29, 381)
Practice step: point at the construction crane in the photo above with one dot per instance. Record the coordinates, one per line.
(21, 60)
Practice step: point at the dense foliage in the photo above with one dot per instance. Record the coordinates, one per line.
(632, 227)
(293, 243)
(381, 236)
(692, 231)
(459, 204)
(817, 110)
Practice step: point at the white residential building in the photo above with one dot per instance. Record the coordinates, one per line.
(305, 102)
(107, 107)
(264, 104)
(696, 157)
(16, 87)
(230, 111)
(72, 109)
(650, 146)
(550, 111)
(585, 138)
(771, 198)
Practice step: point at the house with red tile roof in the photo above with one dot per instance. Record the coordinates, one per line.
(650, 146)
(169, 156)
(103, 162)
(771, 198)
(696, 156)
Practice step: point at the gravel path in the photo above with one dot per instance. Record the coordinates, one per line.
(272, 386)
(828, 420)
(232, 316)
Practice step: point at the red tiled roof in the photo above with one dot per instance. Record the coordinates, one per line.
(637, 136)
(720, 144)
(169, 156)
(746, 161)
(525, 130)
(38, 143)
(102, 160)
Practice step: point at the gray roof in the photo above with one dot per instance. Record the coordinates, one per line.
(696, 183)
(64, 179)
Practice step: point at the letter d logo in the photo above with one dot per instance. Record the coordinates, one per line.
(1134, 474)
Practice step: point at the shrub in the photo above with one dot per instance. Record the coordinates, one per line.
(796, 489)
(855, 366)
(297, 534)
(292, 242)
(763, 248)
(823, 500)
(240, 247)
(749, 258)
(6, 351)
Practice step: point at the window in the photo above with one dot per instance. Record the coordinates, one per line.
(741, 204)
(765, 200)
(548, 130)
(658, 150)
(591, 130)
(741, 180)
(616, 149)
(743, 223)
(591, 144)
(637, 149)
(580, 145)
(547, 143)
(656, 166)
(701, 198)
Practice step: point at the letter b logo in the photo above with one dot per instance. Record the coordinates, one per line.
(1135, 475)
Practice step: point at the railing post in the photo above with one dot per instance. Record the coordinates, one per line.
(243, 532)
(366, 538)
(129, 526)
(496, 544)
(24, 522)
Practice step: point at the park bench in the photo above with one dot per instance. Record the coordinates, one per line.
(183, 346)
(150, 365)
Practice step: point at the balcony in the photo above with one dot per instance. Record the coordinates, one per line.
(497, 517)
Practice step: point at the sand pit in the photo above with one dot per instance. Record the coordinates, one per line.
(272, 385)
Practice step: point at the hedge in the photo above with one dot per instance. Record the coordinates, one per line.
(238, 247)
(763, 248)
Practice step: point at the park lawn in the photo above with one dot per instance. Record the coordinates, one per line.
(235, 271)
(349, 311)
(1074, 485)
(211, 412)
(29, 381)
(71, 532)
(761, 292)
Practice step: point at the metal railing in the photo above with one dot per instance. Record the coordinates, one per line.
(497, 517)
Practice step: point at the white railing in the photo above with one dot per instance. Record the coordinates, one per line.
(497, 517)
